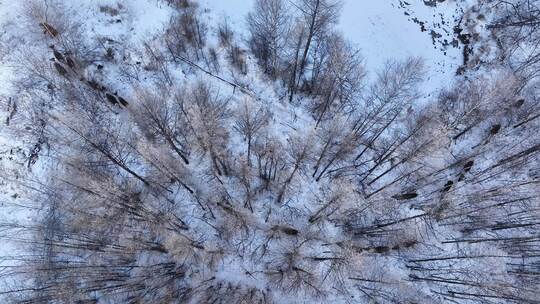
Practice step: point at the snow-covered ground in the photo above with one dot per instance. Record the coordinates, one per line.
(381, 29)
(9, 193)
(16, 208)
(383, 32)
(386, 30)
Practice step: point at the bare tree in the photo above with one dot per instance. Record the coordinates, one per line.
(206, 111)
(337, 83)
(317, 16)
(173, 184)
(299, 153)
(250, 120)
(162, 118)
(269, 26)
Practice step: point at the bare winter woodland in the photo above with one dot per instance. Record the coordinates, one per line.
(199, 165)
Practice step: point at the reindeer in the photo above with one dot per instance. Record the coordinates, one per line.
(60, 69)
(111, 98)
(49, 29)
(57, 54)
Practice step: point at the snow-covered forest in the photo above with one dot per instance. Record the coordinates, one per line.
(270, 151)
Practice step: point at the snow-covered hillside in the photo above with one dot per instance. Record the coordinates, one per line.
(302, 151)
(389, 30)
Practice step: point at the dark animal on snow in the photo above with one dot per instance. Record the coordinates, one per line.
(70, 62)
(58, 55)
(93, 84)
(405, 196)
(468, 166)
(60, 69)
(49, 29)
(495, 129)
(122, 101)
(448, 186)
(111, 98)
